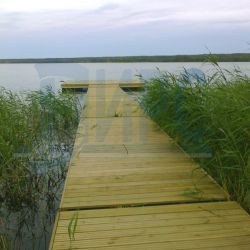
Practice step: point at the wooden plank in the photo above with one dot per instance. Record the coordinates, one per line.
(128, 148)
(153, 210)
(119, 130)
(113, 108)
(89, 174)
(87, 84)
(187, 226)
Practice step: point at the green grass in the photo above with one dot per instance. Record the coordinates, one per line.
(37, 131)
(210, 119)
(72, 228)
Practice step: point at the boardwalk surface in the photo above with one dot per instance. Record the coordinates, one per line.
(129, 186)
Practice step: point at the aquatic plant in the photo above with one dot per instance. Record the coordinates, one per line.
(37, 130)
(210, 119)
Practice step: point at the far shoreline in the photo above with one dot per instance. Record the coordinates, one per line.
(234, 57)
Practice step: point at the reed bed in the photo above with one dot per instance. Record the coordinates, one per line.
(37, 131)
(209, 117)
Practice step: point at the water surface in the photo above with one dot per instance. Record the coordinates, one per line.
(35, 76)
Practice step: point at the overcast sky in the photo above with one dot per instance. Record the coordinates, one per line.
(75, 28)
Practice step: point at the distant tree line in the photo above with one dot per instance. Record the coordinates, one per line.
(237, 57)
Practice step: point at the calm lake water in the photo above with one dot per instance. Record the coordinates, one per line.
(35, 76)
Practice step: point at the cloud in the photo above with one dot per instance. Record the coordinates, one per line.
(121, 20)
(108, 7)
(112, 15)
(47, 5)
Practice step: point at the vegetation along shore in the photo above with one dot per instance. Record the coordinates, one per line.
(37, 131)
(209, 117)
(236, 57)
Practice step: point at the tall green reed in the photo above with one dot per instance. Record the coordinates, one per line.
(210, 119)
(37, 130)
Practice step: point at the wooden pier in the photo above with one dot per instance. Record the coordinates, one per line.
(129, 186)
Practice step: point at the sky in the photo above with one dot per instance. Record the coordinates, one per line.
(80, 28)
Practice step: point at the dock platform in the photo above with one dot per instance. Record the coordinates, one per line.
(130, 186)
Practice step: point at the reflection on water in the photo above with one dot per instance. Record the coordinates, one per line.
(28, 224)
